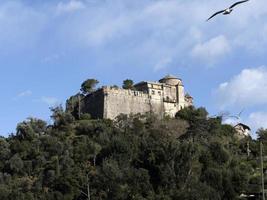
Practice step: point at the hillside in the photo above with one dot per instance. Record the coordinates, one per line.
(136, 157)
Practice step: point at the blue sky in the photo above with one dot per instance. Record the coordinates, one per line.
(48, 49)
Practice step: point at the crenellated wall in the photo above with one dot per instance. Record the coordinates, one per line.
(159, 98)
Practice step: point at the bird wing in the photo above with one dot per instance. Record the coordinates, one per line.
(215, 14)
(239, 2)
(239, 114)
(233, 116)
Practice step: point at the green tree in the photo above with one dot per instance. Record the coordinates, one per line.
(128, 84)
(60, 117)
(74, 105)
(30, 128)
(16, 163)
(262, 135)
(89, 85)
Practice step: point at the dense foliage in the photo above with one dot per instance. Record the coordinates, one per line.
(135, 157)
(88, 86)
(128, 84)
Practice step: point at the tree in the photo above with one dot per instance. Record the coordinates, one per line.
(16, 163)
(31, 127)
(128, 84)
(134, 157)
(262, 135)
(74, 104)
(60, 117)
(89, 85)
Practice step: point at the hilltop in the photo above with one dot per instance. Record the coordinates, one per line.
(137, 156)
(133, 157)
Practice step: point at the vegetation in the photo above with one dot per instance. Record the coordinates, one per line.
(88, 86)
(134, 157)
(128, 84)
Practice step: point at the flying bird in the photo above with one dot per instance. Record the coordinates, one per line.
(238, 116)
(227, 11)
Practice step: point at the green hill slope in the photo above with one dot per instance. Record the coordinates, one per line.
(136, 157)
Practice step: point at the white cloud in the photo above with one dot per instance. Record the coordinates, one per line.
(162, 64)
(25, 93)
(22, 94)
(231, 120)
(245, 89)
(140, 29)
(108, 30)
(257, 120)
(21, 26)
(212, 49)
(71, 6)
(264, 33)
(53, 57)
(51, 101)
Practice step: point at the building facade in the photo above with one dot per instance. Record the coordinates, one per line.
(164, 98)
(242, 130)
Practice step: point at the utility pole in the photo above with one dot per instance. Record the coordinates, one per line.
(262, 175)
(88, 188)
(248, 149)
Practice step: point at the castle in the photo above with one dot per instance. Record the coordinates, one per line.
(164, 98)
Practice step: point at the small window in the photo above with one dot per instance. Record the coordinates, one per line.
(153, 92)
(159, 93)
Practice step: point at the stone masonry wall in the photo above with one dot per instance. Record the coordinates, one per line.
(94, 104)
(119, 101)
(109, 102)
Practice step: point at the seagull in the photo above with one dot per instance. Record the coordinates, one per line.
(238, 116)
(227, 11)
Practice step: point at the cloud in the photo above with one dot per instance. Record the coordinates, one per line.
(245, 89)
(71, 6)
(231, 121)
(51, 101)
(212, 49)
(22, 94)
(257, 120)
(136, 29)
(53, 57)
(108, 30)
(162, 64)
(21, 26)
(25, 93)
(263, 34)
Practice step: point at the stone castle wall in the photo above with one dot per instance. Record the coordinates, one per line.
(165, 97)
(109, 102)
(94, 104)
(128, 102)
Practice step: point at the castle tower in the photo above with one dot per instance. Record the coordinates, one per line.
(173, 93)
(170, 80)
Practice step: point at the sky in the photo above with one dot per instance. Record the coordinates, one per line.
(48, 48)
